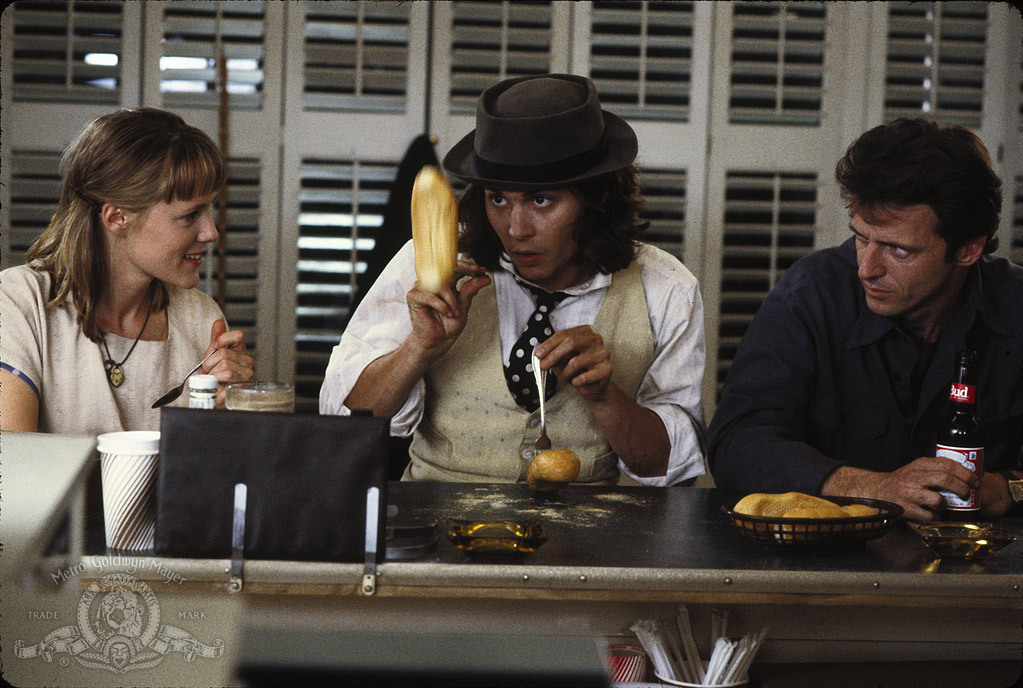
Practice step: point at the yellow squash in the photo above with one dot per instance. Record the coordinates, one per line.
(434, 229)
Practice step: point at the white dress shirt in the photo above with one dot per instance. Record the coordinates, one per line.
(671, 387)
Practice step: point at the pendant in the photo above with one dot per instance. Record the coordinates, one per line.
(116, 375)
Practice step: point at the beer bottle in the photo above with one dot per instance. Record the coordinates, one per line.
(960, 437)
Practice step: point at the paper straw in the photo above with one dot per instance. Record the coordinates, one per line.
(723, 651)
(673, 652)
(743, 666)
(691, 652)
(673, 647)
(675, 644)
(754, 647)
(649, 638)
(718, 625)
(651, 645)
(737, 659)
(679, 632)
(712, 664)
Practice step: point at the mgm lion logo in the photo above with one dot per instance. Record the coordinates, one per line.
(119, 630)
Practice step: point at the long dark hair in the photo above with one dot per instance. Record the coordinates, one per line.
(606, 234)
(914, 161)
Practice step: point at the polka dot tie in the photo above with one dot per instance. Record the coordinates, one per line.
(519, 371)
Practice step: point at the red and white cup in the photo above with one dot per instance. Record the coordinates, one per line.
(626, 663)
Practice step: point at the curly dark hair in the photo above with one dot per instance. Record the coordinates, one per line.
(914, 161)
(606, 234)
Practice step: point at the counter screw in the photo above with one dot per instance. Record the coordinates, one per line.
(227, 570)
(728, 581)
(582, 579)
(876, 585)
(1015, 588)
(525, 576)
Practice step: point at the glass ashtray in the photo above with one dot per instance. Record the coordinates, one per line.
(963, 540)
(496, 536)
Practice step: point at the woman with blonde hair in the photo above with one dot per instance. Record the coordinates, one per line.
(104, 317)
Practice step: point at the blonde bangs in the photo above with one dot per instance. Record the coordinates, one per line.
(193, 169)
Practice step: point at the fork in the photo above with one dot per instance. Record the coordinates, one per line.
(543, 441)
(176, 392)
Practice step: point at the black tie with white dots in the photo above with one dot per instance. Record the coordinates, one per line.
(519, 371)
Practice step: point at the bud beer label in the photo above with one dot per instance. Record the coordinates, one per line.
(973, 459)
(960, 392)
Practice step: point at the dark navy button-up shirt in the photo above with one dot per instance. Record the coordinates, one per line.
(820, 380)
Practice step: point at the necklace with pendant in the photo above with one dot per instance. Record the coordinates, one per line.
(115, 371)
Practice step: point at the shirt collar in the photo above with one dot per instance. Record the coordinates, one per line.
(870, 327)
(598, 281)
(985, 303)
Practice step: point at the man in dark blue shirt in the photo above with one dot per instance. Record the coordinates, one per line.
(841, 380)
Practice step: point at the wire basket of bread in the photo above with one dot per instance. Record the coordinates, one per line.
(793, 518)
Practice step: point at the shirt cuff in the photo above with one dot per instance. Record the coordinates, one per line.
(340, 379)
(686, 458)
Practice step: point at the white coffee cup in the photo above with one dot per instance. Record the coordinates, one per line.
(128, 463)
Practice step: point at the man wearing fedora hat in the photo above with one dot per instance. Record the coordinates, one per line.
(553, 265)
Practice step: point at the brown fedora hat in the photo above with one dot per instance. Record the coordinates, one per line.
(540, 131)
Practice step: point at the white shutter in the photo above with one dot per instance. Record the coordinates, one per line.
(935, 65)
(188, 64)
(493, 40)
(340, 211)
(356, 56)
(777, 62)
(35, 188)
(241, 257)
(769, 223)
(67, 51)
(665, 193)
(641, 58)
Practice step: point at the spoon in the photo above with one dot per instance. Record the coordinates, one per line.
(176, 392)
(542, 442)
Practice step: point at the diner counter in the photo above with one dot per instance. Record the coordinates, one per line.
(614, 555)
(651, 543)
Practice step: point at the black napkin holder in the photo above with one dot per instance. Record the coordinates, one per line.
(307, 481)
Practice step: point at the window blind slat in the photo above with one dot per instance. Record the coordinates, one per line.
(769, 223)
(640, 58)
(241, 260)
(47, 68)
(493, 40)
(777, 63)
(341, 207)
(935, 61)
(664, 191)
(190, 32)
(356, 57)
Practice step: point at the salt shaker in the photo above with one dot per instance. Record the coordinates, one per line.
(202, 391)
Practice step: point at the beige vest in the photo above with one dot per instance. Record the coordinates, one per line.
(472, 430)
